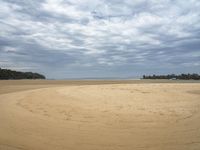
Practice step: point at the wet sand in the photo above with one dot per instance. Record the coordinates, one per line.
(99, 115)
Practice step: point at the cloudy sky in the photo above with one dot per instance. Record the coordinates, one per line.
(100, 38)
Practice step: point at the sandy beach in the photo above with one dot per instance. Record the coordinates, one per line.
(99, 115)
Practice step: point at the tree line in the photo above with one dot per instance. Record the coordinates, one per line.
(6, 74)
(188, 76)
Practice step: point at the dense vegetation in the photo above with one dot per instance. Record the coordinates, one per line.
(188, 76)
(6, 74)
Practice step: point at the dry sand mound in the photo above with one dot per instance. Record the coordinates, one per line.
(102, 117)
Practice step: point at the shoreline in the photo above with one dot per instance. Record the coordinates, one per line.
(9, 86)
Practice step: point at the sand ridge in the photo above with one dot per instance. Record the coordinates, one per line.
(102, 117)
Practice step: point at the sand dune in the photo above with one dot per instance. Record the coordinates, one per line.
(152, 116)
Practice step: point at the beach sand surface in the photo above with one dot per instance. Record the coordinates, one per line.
(102, 115)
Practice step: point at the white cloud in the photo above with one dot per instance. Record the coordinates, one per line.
(95, 33)
(59, 7)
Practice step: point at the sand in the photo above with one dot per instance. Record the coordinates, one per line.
(109, 115)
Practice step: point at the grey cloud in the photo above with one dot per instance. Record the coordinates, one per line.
(67, 38)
